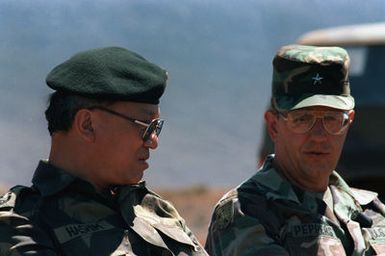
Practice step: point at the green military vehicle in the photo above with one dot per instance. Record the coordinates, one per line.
(362, 162)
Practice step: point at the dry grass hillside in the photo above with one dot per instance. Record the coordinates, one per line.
(195, 205)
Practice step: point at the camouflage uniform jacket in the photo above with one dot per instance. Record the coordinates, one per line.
(63, 215)
(267, 215)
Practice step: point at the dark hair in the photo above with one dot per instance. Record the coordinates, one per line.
(63, 107)
(272, 107)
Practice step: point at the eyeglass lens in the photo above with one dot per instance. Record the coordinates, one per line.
(303, 121)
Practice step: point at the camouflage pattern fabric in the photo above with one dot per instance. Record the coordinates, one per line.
(266, 215)
(314, 54)
(305, 76)
(63, 215)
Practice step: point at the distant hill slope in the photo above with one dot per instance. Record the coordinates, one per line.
(195, 205)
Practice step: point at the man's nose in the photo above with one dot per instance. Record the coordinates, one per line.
(318, 129)
(152, 142)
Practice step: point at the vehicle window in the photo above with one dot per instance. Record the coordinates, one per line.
(366, 75)
(358, 56)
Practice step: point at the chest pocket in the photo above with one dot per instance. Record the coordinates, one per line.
(312, 239)
(376, 238)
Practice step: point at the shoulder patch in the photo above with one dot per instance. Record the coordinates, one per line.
(224, 215)
(8, 200)
(225, 209)
(5, 198)
(229, 196)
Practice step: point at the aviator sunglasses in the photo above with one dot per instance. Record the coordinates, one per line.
(155, 126)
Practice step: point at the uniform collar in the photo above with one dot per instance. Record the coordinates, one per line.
(275, 186)
(363, 197)
(49, 179)
(280, 188)
(274, 183)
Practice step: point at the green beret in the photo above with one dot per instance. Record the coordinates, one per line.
(110, 73)
(305, 76)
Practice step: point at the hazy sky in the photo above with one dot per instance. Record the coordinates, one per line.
(218, 55)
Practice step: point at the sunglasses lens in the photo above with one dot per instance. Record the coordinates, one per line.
(154, 127)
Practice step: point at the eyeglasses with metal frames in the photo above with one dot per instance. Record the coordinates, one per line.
(155, 126)
(302, 121)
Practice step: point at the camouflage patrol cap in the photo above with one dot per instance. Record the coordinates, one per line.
(305, 76)
(112, 73)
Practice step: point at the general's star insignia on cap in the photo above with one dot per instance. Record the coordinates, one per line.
(317, 79)
(306, 76)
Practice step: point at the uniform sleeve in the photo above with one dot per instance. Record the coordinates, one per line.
(19, 237)
(233, 233)
(18, 234)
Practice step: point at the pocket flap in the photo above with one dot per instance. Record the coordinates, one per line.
(170, 227)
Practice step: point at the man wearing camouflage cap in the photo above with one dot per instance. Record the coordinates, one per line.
(296, 204)
(88, 197)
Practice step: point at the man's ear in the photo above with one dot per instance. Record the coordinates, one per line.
(83, 124)
(271, 121)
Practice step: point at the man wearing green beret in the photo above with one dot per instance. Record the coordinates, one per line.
(88, 198)
(297, 204)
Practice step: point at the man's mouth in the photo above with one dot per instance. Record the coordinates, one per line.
(316, 153)
(145, 155)
(144, 158)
